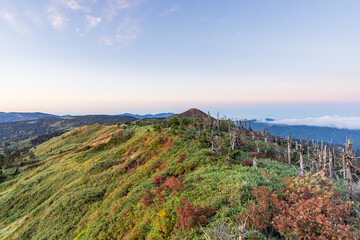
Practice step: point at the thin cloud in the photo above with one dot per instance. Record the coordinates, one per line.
(93, 21)
(56, 19)
(12, 20)
(118, 39)
(117, 21)
(115, 6)
(55, 12)
(73, 5)
(8, 17)
(170, 10)
(127, 31)
(324, 121)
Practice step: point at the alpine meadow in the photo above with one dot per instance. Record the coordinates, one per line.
(156, 120)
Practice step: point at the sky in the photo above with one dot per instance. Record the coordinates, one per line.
(243, 58)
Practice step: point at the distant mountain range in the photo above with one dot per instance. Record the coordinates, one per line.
(25, 129)
(17, 116)
(16, 125)
(326, 134)
(159, 115)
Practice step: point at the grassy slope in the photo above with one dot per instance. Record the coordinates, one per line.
(13, 131)
(85, 189)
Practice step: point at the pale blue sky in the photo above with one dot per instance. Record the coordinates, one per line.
(249, 58)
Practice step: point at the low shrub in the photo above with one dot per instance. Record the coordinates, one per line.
(310, 208)
(190, 216)
(181, 158)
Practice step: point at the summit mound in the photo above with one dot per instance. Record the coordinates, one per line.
(193, 113)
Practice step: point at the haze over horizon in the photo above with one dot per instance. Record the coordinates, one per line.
(240, 58)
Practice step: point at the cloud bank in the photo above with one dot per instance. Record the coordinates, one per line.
(324, 121)
(117, 22)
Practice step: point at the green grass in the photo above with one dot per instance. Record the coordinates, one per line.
(91, 180)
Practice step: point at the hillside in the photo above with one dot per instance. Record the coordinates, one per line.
(18, 116)
(25, 129)
(157, 181)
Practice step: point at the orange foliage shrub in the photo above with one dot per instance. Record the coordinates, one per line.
(309, 209)
(168, 143)
(172, 184)
(146, 198)
(181, 158)
(190, 216)
(262, 211)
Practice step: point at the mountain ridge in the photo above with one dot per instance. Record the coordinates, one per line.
(139, 116)
(23, 116)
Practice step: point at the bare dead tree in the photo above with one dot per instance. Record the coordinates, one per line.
(255, 162)
(266, 142)
(301, 159)
(324, 157)
(231, 137)
(308, 154)
(331, 166)
(348, 157)
(289, 150)
(218, 122)
(343, 162)
(319, 153)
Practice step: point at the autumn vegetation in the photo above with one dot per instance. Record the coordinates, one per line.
(170, 179)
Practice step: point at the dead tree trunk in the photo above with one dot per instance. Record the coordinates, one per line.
(231, 136)
(330, 162)
(289, 150)
(308, 154)
(324, 158)
(301, 159)
(267, 144)
(343, 162)
(255, 162)
(349, 182)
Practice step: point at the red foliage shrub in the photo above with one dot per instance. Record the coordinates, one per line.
(309, 209)
(172, 184)
(146, 198)
(190, 216)
(181, 158)
(262, 211)
(159, 196)
(159, 180)
(168, 143)
(162, 166)
(169, 185)
(249, 163)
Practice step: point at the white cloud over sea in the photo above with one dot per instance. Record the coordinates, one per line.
(324, 121)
